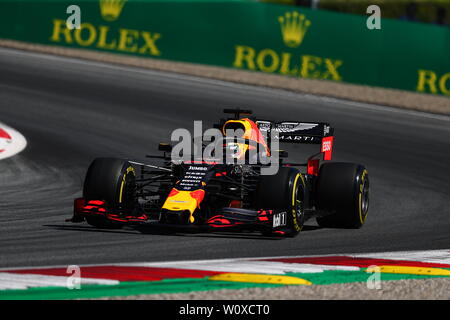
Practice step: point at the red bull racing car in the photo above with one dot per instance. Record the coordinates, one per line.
(210, 194)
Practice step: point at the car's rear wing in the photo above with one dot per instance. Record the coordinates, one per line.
(300, 132)
(297, 132)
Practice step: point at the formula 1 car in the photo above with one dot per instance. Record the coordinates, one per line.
(219, 195)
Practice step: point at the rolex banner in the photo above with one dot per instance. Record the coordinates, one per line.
(247, 35)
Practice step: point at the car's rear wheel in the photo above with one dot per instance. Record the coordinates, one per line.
(342, 195)
(284, 192)
(113, 181)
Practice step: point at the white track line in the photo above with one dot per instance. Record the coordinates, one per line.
(12, 142)
(430, 256)
(250, 266)
(11, 280)
(435, 256)
(24, 281)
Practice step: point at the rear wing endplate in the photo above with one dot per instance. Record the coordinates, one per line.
(300, 132)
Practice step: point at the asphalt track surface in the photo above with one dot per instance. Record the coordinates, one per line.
(72, 111)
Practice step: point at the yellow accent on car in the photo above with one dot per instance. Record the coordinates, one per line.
(247, 127)
(182, 200)
(122, 185)
(294, 187)
(361, 218)
(294, 199)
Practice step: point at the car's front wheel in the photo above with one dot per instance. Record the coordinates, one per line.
(285, 192)
(113, 181)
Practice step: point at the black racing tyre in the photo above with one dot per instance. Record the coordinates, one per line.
(113, 181)
(284, 191)
(343, 194)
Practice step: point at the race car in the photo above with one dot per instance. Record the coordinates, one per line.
(215, 195)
